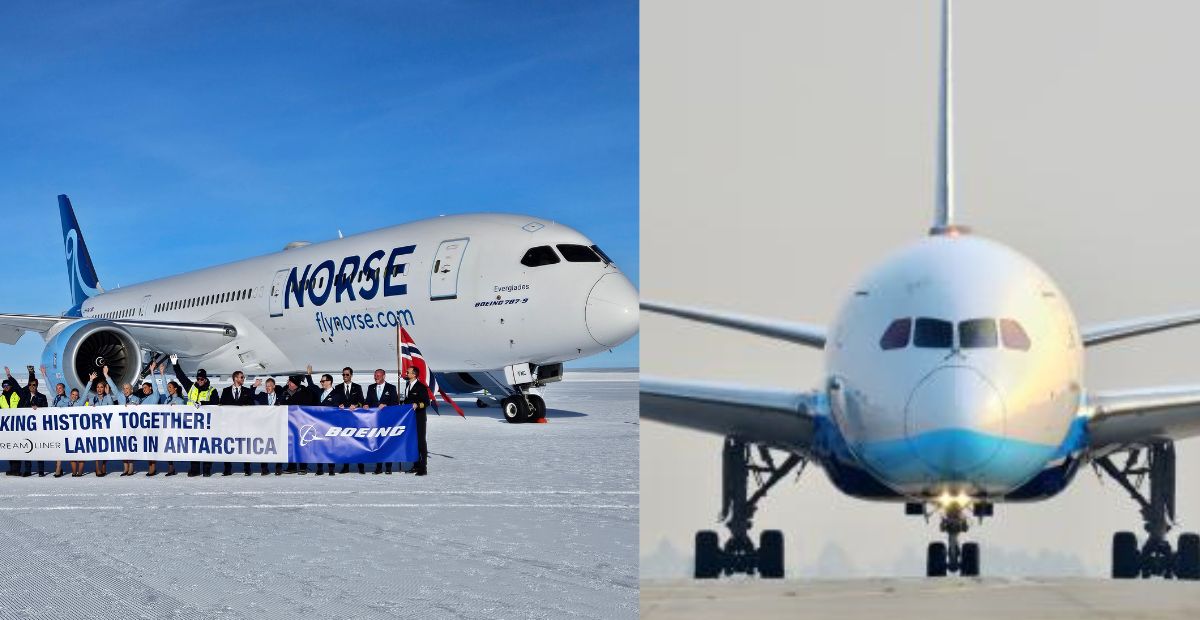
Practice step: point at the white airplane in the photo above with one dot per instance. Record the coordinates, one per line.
(496, 302)
(954, 381)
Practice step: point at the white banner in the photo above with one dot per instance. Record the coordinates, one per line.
(150, 432)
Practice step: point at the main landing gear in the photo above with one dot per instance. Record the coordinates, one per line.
(1154, 558)
(739, 555)
(523, 407)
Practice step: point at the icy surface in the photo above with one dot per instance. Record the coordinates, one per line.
(514, 521)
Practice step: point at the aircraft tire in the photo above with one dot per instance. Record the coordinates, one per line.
(935, 560)
(1126, 557)
(770, 554)
(515, 410)
(708, 555)
(1187, 557)
(539, 407)
(969, 565)
(479, 403)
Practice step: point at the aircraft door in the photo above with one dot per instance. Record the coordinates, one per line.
(443, 281)
(145, 306)
(276, 296)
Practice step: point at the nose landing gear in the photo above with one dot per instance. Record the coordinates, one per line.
(1155, 558)
(739, 554)
(952, 556)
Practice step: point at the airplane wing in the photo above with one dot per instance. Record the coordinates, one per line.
(1116, 330)
(799, 333)
(186, 339)
(1132, 417)
(781, 418)
(13, 326)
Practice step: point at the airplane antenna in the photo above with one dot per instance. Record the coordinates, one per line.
(340, 236)
(944, 218)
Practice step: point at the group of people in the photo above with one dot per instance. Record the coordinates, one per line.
(299, 390)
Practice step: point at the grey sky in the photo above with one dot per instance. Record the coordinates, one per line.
(788, 146)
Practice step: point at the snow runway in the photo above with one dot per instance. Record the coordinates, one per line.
(514, 521)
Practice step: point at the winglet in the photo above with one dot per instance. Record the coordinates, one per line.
(81, 274)
(943, 222)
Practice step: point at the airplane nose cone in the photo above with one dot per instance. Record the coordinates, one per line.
(955, 421)
(611, 313)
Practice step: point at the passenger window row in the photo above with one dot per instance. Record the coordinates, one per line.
(117, 314)
(545, 255)
(204, 300)
(928, 333)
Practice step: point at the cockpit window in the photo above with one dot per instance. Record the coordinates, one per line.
(896, 335)
(977, 334)
(578, 253)
(541, 255)
(604, 256)
(1013, 335)
(933, 334)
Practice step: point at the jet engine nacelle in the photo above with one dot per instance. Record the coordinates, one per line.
(87, 345)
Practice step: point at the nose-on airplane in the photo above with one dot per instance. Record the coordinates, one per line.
(954, 381)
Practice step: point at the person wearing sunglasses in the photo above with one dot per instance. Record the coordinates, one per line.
(349, 395)
(323, 394)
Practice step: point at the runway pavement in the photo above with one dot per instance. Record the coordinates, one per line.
(514, 521)
(927, 599)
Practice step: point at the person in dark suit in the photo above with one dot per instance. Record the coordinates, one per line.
(381, 394)
(33, 398)
(349, 395)
(295, 394)
(269, 396)
(237, 395)
(325, 396)
(416, 394)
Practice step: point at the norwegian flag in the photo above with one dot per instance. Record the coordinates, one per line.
(411, 358)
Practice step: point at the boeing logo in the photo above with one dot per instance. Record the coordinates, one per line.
(308, 434)
(319, 283)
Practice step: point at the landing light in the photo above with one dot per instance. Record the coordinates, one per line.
(957, 500)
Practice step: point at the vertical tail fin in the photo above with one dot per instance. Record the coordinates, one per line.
(81, 275)
(943, 222)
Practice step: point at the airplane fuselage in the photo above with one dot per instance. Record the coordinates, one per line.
(457, 284)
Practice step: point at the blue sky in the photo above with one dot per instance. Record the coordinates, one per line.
(194, 133)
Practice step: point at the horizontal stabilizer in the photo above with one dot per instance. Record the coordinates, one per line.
(799, 333)
(775, 417)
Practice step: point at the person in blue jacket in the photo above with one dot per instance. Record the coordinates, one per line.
(101, 395)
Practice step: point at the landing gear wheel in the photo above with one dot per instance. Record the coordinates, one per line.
(539, 408)
(969, 564)
(770, 554)
(708, 555)
(516, 410)
(1126, 557)
(479, 403)
(935, 560)
(1187, 557)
